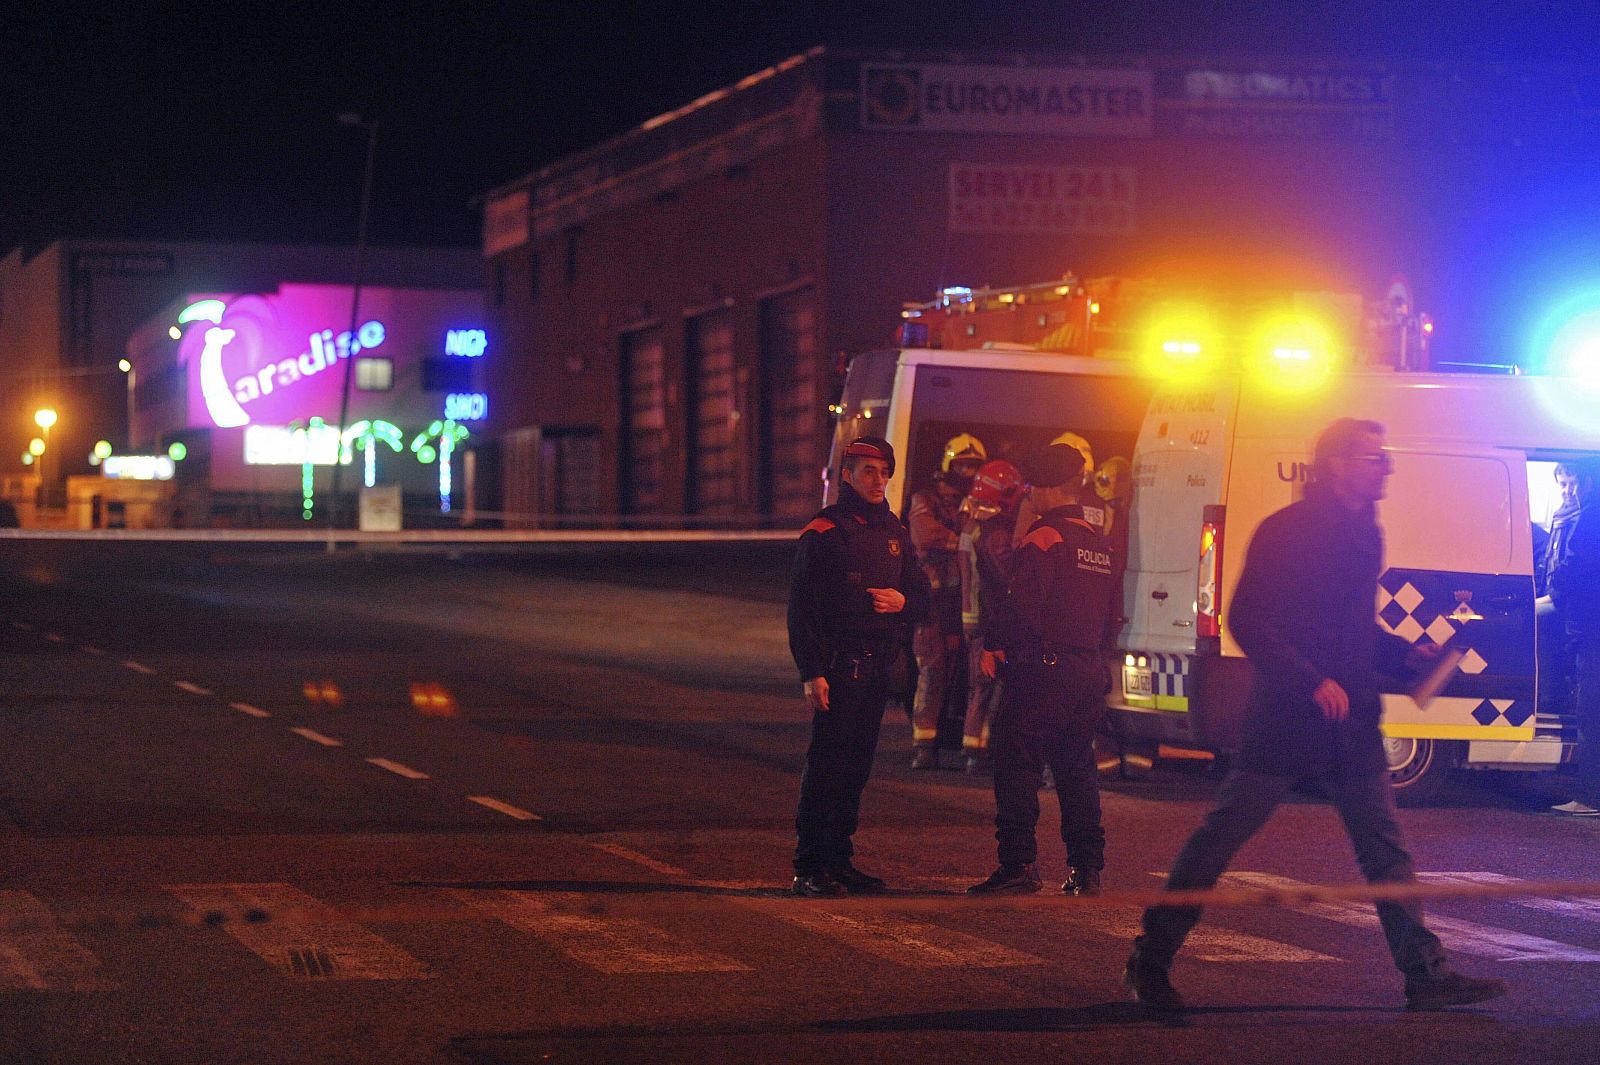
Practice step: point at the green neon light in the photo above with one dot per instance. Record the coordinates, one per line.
(449, 434)
(203, 311)
(367, 435)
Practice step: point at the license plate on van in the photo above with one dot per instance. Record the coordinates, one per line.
(1136, 681)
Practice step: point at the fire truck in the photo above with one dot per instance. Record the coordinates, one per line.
(1199, 407)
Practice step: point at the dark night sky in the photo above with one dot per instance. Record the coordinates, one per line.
(217, 121)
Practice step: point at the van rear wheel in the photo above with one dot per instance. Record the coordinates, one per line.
(1418, 768)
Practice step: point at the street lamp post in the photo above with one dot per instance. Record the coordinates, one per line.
(44, 418)
(351, 118)
(126, 366)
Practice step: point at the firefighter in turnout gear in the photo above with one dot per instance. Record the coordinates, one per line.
(1050, 637)
(935, 534)
(855, 587)
(988, 538)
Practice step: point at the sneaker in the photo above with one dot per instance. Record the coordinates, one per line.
(1576, 809)
(1081, 882)
(818, 886)
(1009, 880)
(925, 758)
(1450, 989)
(976, 763)
(1151, 987)
(856, 882)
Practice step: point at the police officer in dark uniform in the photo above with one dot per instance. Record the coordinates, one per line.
(1049, 637)
(856, 587)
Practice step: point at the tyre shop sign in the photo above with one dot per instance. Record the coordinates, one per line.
(989, 198)
(1064, 101)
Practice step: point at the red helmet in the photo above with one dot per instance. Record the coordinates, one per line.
(997, 484)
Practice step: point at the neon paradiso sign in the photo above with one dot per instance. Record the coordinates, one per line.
(242, 379)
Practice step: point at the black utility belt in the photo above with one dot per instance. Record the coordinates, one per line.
(1056, 656)
(860, 663)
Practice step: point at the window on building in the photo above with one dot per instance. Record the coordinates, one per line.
(447, 375)
(374, 375)
(644, 420)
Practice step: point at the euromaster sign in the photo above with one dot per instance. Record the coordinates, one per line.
(1035, 101)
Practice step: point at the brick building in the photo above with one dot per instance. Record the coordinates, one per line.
(672, 305)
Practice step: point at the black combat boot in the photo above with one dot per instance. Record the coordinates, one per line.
(1009, 880)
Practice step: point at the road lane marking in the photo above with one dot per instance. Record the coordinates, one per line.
(629, 855)
(316, 737)
(1466, 937)
(1587, 910)
(139, 667)
(55, 637)
(91, 649)
(37, 955)
(908, 943)
(398, 769)
(192, 689)
(504, 808)
(608, 944)
(305, 939)
(1207, 942)
(246, 708)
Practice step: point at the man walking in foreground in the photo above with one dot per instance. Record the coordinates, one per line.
(1304, 613)
(856, 586)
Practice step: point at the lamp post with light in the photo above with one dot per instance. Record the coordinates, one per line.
(126, 366)
(44, 418)
(352, 118)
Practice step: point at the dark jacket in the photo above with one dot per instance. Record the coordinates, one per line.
(1573, 570)
(1305, 610)
(1062, 572)
(848, 548)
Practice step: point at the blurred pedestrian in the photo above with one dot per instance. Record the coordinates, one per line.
(1304, 613)
(1049, 638)
(855, 587)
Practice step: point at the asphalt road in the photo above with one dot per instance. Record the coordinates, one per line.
(539, 809)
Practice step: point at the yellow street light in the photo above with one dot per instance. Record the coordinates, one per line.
(44, 418)
(36, 447)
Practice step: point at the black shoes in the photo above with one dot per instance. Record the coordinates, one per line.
(818, 886)
(925, 758)
(1447, 988)
(1009, 880)
(1151, 987)
(858, 883)
(1081, 882)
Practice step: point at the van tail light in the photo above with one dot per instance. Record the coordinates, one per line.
(1208, 578)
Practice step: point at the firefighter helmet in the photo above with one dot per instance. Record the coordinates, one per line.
(962, 448)
(1113, 481)
(997, 484)
(1074, 440)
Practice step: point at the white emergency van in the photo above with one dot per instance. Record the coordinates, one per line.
(1474, 459)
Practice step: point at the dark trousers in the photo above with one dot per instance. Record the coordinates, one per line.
(1048, 716)
(1588, 705)
(844, 739)
(1366, 805)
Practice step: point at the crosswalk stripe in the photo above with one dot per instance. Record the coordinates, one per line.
(1210, 943)
(608, 944)
(1587, 910)
(37, 955)
(1467, 937)
(305, 939)
(908, 943)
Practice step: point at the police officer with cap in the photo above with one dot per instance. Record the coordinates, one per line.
(1049, 637)
(856, 586)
